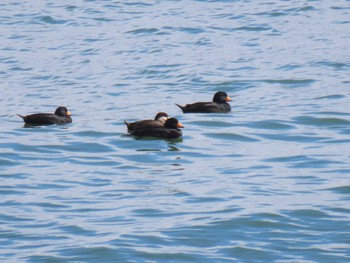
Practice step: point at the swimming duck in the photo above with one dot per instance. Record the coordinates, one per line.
(170, 130)
(218, 105)
(160, 119)
(61, 116)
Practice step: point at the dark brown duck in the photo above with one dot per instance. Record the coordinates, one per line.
(61, 116)
(159, 120)
(170, 130)
(218, 105)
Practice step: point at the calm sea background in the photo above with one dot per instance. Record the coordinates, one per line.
(267, 182)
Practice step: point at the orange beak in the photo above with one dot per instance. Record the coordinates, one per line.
(68, 113)
(179, 125)
(228, 98)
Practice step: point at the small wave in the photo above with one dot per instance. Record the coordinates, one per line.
(334, 65)
(8, 191)
(313, 121)
(20, 69)
(340, 189)
(293, 138)
(132, 3)
(85, 147)
(143, 31)
(286, 12)
(217, 124)
(256, 28)
(76, 230)
(289, 81)
(330, 97)
(50, 20)
(270, 125)
(191, 30)
(231, 137)
(7, 162)
(296, 158)
(103, 19)
(308, 213)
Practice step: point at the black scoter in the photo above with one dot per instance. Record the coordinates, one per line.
(170, 130)
(61, 116)
(218, 105)
(159, 120)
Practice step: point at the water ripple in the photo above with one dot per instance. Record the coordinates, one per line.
(329, 121)
(231, 137)
(267, 182)
(50, 20)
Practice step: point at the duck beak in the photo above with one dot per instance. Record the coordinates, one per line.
(228, 98)
(179, 125)
(68, 113)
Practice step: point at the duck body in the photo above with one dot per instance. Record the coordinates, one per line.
(205, 107)
(170, 130)
(61, 116)
(218, 105)
(159, 120)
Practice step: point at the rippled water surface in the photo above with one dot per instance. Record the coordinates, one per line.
(267, 182)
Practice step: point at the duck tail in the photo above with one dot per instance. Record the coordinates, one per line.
(181, 107)
(127, 124)
(23, 117)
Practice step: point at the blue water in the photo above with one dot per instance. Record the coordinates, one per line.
(267, 182)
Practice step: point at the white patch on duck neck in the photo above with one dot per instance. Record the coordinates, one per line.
(163, 119)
